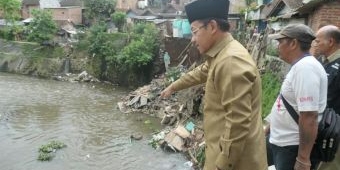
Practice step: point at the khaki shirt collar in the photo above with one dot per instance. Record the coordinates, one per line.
(212, 52)
(334, 56)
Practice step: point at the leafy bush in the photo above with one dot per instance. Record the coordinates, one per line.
(107, 46)
(10, 10)
(272, 50)
(42, 28)
(143, 46)
(119, 18)
(100, 44)
(99, 10)
(104, 49)
(14, 32)
(270, 89)
(137, 53)
(6, 33)
(131, 54)
(82, 45)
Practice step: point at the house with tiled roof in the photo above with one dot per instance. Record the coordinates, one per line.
(173, 9)
(28, 6)
(63, 11)
(324, 12)
(314, 13)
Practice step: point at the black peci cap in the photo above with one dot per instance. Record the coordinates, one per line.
(203, 9)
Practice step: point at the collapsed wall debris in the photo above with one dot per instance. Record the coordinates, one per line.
(180, 114)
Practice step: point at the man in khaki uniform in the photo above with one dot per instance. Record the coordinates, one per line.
(327, 44)
(232, 112)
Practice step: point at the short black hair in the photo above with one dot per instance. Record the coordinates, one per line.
(304, 46)
(223, 24)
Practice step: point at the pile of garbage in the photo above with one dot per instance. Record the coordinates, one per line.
(183, 131)
(82, 77)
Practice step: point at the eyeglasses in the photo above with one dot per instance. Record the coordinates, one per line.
(195, 30)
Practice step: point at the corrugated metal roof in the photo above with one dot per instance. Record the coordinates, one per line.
(49, 4)
(306, 8)
(293, 4)
(3, 22)
(30, 2)
(268, 9)
(287, 15)
(71, 3)
(144, 17)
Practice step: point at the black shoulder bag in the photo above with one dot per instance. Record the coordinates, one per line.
(333, 94)
(328, 137)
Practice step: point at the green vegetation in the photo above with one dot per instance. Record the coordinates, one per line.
(36, 51)
(42, 28)
(137, 53)
(270, 89)
(44, 60)
(104, 48)
(99, 10)
(46, 152)
(10, 9)
(156, 138)
(251, 5)
(201, 156)
(272, 50)
(12, 32)
(172, 75)
(105, 45)
(10, 12)
(119, 18)
(127, 54)
(31, 50)
(143, 46)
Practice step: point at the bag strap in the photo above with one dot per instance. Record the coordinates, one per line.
(290, 110)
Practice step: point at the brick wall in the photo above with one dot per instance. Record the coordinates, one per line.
(27, 9)
(126, 4)
(63, 14)
(328, 13)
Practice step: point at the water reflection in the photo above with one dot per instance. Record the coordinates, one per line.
(84, 117)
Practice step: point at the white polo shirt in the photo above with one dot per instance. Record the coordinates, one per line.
(305, 89)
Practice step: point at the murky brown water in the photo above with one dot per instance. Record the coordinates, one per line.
(84, 117)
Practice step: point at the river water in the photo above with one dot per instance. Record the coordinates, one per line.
(34, 112)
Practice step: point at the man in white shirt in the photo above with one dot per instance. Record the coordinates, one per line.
(305, 89)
